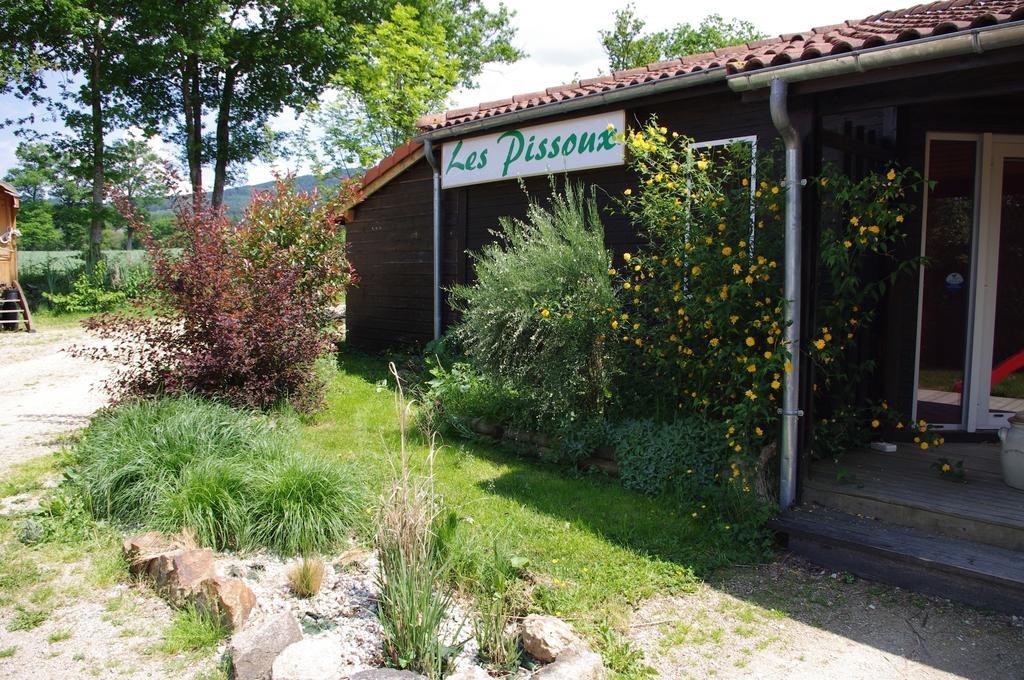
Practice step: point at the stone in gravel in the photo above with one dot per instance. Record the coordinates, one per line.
(575, 664)
(309, 659)
(253, 650)
(387, 674)
(546, 637)
(470, 673)
(140, 550)
(179, 574)
(228, 598)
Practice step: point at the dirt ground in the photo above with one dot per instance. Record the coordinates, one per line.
(44, 392)
(791, 619)
(787, 619)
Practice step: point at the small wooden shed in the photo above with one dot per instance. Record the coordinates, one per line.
(13, 306)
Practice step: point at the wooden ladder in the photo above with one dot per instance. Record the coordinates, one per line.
(17, 315)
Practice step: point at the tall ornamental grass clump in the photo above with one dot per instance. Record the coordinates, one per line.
(535, 321)
(232, 476)
(414, 601)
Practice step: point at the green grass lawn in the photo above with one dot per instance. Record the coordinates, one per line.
(596, 547)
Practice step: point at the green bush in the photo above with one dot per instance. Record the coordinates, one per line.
(455, 396)
(537, 316)
(90, 292)
(651, 454)
(230, 475)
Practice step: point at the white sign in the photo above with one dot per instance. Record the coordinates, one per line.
(577, 144)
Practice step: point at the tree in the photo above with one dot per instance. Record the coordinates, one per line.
(35, 222)
(627, 46)
(86, 40)
(33, 177)
(139, 176)
(397, 71)
(401, 68)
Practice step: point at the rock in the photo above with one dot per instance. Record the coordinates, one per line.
(228, 598)
(470, 673)
(387, 674)
(574, 664)
(254, 649)
(179, 574)
(140, 550)
(309, 659)
(546, 637)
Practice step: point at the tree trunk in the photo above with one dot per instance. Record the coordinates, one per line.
(193, 113)
(223, 138)
(96, 219)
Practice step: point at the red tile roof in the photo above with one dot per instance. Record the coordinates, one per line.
(921, 21)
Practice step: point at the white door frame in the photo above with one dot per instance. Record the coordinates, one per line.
(992, 149)
(996, 149)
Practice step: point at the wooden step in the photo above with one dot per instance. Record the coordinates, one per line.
(973, 573)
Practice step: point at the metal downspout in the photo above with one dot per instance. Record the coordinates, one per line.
(428, 151)
(790, 411)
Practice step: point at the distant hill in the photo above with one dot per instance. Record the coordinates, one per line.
(236, 199)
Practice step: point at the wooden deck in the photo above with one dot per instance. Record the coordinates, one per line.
(890, 517)
(903, 489)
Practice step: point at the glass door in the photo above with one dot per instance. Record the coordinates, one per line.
(970, 370)
(999, 390)
(946, 282)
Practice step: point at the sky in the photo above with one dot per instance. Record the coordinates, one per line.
(562, 43)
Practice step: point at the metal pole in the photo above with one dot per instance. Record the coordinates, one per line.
(791, 389)
(428, 151)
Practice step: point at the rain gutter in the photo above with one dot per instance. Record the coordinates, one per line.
(790, 412)
(589, 101)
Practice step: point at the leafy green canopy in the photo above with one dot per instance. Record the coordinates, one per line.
(628, 46)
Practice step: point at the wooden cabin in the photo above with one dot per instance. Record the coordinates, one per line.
(940, 88)
(14, 310)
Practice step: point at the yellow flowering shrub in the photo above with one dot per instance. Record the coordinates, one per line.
(703, 296)
(859, 259)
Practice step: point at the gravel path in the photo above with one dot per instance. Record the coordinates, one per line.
(44, 392)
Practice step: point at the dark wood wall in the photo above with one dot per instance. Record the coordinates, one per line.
(390, 244)
(390, 236)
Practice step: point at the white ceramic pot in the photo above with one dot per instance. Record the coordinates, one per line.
(1013, 452)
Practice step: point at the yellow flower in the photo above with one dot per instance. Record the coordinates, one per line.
(612, 272)
(767, 354)
(924, 445)
(776, 384)
(874, 229)
(675, 167)
(695, 271)
(713, 342)
(824, 181)
(875, 424)
(702, 165)
(750, 341)
(545, 313)
(627, 257)
(899, 219)
(855, 221)
(788, 366)
(819, 343)
(750, 395)
(627, 192)
(627, 285)
(615, 325)
(758, 431)
(610, 127)
(663, 130)
(636, 268)
(727, 251)
(891, 175)
(775, 190)
(751, 368)
(847, 243)
(946, 467)
(736, 269)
